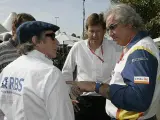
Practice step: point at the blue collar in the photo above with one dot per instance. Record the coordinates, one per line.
(137, 38)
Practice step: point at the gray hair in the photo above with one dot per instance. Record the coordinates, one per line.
(125, 14)
(29, 46)
(23, 49)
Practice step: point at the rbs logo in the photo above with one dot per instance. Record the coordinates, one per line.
(12, 83)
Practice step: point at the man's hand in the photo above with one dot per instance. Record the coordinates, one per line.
(75, 106)
(74, 93)
(77, 88)
(88, 86)
(84, 86)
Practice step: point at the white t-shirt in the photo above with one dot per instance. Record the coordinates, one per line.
(33, 89)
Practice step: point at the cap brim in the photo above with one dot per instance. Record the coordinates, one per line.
(56, 28)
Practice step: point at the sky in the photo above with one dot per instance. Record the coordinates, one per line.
(69, 12)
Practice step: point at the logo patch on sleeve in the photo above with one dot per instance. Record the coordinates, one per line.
(141, 80)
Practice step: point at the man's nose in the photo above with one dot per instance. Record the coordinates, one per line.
(94, 34)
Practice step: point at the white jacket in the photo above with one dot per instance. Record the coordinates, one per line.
(33, 89)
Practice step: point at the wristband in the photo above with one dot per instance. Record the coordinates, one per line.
(98, 85)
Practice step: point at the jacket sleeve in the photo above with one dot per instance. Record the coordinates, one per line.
(139, 74)
(69, 65)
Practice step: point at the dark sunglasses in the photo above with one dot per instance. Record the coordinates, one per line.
(51, 35)
(112, 27)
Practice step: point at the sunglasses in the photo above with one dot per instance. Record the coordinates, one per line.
(51, 35)
(112, 27)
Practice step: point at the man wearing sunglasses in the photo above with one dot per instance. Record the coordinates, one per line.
(31, 88)
(95, 58)
(134, 88)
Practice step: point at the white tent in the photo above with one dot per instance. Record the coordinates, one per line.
(8, 22)
(7, 25)
(3, 32)
(2, 29)
(63, 38)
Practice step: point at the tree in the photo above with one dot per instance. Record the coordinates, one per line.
(149, 10)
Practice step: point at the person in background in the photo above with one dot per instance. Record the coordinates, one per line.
(8, 51)
(134, 88)
(94, 59)
(7, 36)
(31, 88)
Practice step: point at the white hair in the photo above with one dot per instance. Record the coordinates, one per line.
(125, 14)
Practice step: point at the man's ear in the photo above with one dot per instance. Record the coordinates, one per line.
(35, 40)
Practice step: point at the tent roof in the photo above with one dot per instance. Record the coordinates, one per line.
(2, 29)
(8, 22)
(66, 39)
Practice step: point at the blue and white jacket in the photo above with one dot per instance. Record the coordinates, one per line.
(135, 87)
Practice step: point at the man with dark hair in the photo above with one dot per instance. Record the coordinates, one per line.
(8, 51)
(95, 58)
(31, 88)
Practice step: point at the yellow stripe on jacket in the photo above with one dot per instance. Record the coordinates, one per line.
(127, 115)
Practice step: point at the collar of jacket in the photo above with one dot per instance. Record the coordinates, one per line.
(140, 35)
(38, 55)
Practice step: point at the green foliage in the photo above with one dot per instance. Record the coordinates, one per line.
(149, 10)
